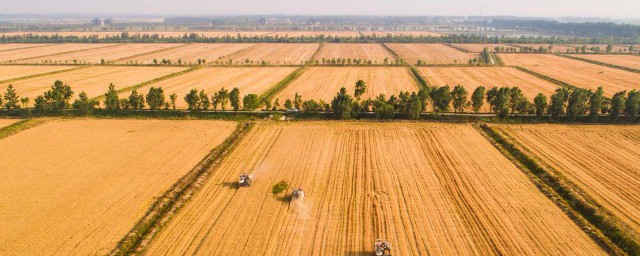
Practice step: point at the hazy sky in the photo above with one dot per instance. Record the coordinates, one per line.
(547, 8)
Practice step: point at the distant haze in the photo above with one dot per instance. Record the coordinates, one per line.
(538, 8)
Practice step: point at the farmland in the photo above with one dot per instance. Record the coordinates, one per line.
(373, 52)
(75, 187)
(92, 80)
(556, 47)
(29, 53)
(629, 61)
(431, 54)
(480, 47)
(191, 53)
(324, 82)
(274, 54)
(165, 34)
(95, 56)
(247, 79)
(10, 47)
(11, 72)
(603, 47)
(600, 160)
(314, 34)
(575, 72)
(7, 122)
(427, 188)
(419, 33)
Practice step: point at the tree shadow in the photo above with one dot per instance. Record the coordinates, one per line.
(285, 198)
(360, 253)
(230, 184)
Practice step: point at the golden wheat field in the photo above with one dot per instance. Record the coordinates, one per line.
(379, 33)
(7, 122)
(248, 80)
(11, 46)
(480, 47)
(431, 54)
(373, 52)
(48, 50)
(165, 34)
(77, 186)
(426, 188)
(12, 72)
(575, 72)
(274, 54)
(419, 33)
(96, 56)
(603, 161)
(191, 53)
(314, 34)
(92, 80)
(324, 82)
(629, 61)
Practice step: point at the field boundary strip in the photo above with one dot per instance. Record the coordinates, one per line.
(67, 52)
(149, 53)
(25, 48)
(589, 217)
(390, 51)
(152, 81)
(167, 205)
(42, 74)
(544, 77)
(282, 84)
(417, 77)
(20, 126)
(230, 56)
(458, 48)
(600, 63)
(315, 54)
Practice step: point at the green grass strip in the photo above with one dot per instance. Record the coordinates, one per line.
(544, 77)
(418, 77)
(593, 214)
(19, 126)
(600, 63)
(269, 94)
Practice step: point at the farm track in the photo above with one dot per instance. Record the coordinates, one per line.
(413, 184)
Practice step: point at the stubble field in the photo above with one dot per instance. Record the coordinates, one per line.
(12, 46)
(426, 188)
(7, 122)
(75, 187)
(480, 47)
(603, 161)
(431, 54)
(630, 61)
(48, 50)
(374, 52)
(191, 53)
(95, 56)
(275, 54)
(11, 72)
(324, 82)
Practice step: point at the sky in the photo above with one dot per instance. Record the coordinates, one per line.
(529, 8)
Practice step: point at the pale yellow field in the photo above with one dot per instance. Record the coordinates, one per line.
(274, 54)
(102, 34)
(379, 33)
(192, 52)
(603, 161)
(480, 47)
(630, 61)
(7, 122)
(314, 33)
(419, 33)
(374, 52)
(75, 187)
(11, 46)
(575, 72)
(93, 80)
(429, 189)
(11, 72)
(62, 33)
(95, 56)
(46, 50)
(431, 54)
(325, 82)
(248, 79)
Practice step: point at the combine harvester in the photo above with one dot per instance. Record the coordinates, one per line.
(297, 194)
(245, 180)
(381, 247)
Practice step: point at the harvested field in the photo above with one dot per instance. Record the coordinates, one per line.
(314, 33)
(166, 34)
(76, 187)
(629, 61)
(379, 33)
(431, 54)
(95, 56)
(575, 72)
(480, 47)
(324, 82)
(274, 54)
(45, 50)
(473, 77)
(10, 47)
(603, 161)
(374, 52)
(11, 72)
(419, 33)
(191, 53)
(427, 188)
(92, 80)
(248, 79)
(7, 122)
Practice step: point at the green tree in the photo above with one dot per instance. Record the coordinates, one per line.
(276, 104)
(361, 88)
(193, 100)
(111, 101)
(415, 107)
(250, 101)
(477, 99)
(267, 103)
(136, 100)
(234, 98)
(577, 104)
(515, 98)
(540, 102)
(288, 104)
(223, 98)
(558, 103)
(459, 95)
(441, 98)
(618, 102)
(342, 105)
(11, 98)
(155, 98)
(172, 99)
(205, 104)
(84, 104)
(54, 100)
(24, 101)
(297, 101)
(595, 104)
(311, 105)
(632, 105)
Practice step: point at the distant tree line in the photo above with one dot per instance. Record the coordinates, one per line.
(587, 29)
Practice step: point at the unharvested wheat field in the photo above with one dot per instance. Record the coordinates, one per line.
(374, 52)
(431, 54)
(7, 122)
(95, 56)
(324, 82)
(575, 72)
(275, 54)
(92, 80)
(76, 187)
(11, 72)
(45, 51)
(191, 53)
(603, 161)
(480, 47)
(247, 79)
(630, 61)
(426, 188)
